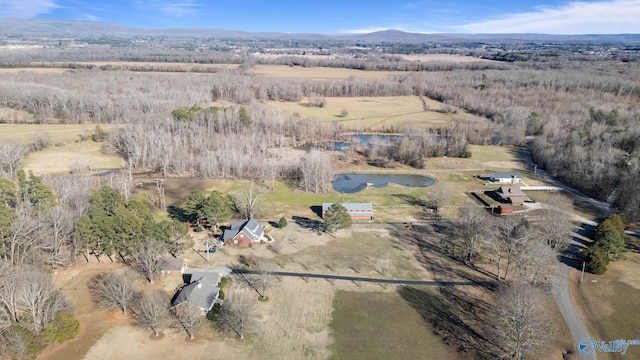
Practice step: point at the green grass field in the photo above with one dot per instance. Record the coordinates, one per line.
(381, 325)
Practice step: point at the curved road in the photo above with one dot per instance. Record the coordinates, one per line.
(563, 296)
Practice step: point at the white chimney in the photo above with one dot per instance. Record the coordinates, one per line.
(199, 285)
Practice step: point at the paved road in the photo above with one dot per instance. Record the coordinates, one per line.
(371, 280)
(562, 296)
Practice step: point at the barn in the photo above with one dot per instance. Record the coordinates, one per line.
(357, 211)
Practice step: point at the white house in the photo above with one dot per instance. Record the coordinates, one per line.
(506, 177)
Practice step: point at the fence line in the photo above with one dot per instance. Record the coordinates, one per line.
(405, 171)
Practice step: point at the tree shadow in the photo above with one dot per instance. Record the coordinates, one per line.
(411, 200)
(176, 213)
(454, 316)
(317, 210)
(311, 224)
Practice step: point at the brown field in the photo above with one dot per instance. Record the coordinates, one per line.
(60, 67)
(613, 317)
(35, 70)
(379, 112)
(441, 58)
(66, 151)
(317, 73)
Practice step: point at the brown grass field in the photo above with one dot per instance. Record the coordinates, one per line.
(61, 159)
(613, 317)
(61, 67)
(316, 73)
(379, 112)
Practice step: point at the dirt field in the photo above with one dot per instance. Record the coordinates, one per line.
(379, 112)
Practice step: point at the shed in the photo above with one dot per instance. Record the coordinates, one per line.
(512, 194)
(504, 209)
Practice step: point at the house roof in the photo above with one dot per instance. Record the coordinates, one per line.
(511, 191)
(505, 175)
(172, 264)
(201, 291)
(250, 227)
(351, 206)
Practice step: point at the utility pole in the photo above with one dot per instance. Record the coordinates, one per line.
(582, 275)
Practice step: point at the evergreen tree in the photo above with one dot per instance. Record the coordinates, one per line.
(596, 260)
(336, 218)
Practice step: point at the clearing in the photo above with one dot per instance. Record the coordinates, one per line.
(66, 150)
(379, 112)
(316, 73)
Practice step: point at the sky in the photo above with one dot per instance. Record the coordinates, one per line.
(348, 16)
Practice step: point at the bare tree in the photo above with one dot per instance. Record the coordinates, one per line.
(188, 317)
(40, 298)
(535, 263)
(146, 255)
(473, 226)
(151, 310)
(240, 316)
(11, 155)
(522, 323)
(316, 171)
(510, 236)
(248, 201)
(26, 235)
(122, 181)
(555, 226)
(260, 282)
(9, 295)
(438, 194)
(114, 289)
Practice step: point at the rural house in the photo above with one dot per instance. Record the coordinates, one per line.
(202, 291)
(173, 265)
(511, 194)
(357, 211)
(506, 177)
(244, 233)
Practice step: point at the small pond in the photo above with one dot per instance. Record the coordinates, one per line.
(352, 183)
(365, 140)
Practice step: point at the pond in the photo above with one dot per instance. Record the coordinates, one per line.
(352, 183)
(365, 140)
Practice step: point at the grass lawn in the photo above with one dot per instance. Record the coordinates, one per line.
(611, 303)
(381, 325)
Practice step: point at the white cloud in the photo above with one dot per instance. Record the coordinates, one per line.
(602, 17)
(178, 8)
(25, 8)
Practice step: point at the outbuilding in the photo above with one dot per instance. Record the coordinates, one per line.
(506, 177)
(357, 211)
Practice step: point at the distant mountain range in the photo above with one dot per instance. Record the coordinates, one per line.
(11, 27)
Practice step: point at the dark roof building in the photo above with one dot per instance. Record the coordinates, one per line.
(244, 233)
(202, 291)
(512, 194)
(357, 211)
